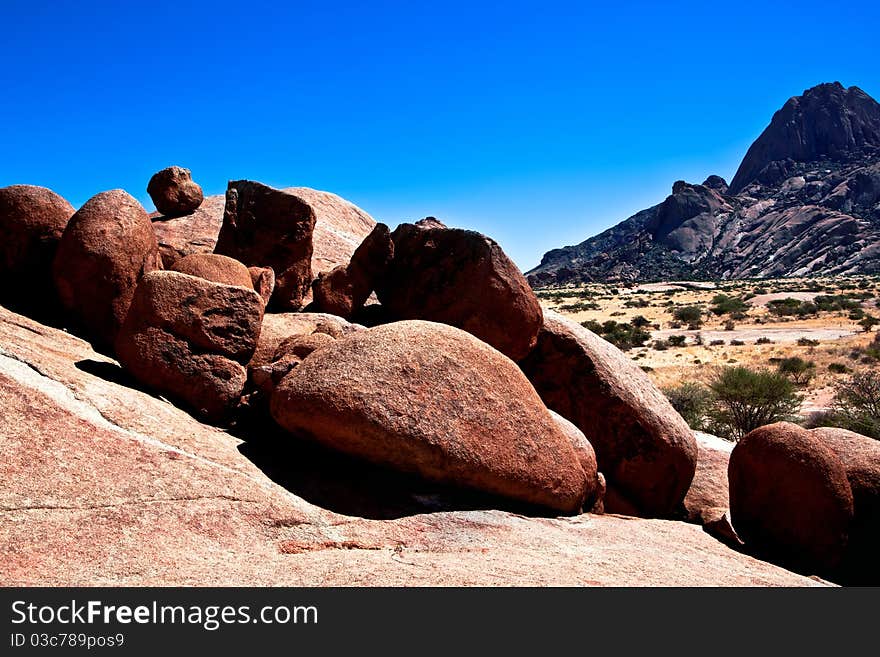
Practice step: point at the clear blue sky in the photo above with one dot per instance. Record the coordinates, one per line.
(538, 123)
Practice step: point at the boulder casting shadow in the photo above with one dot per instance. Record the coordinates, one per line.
(350, 486)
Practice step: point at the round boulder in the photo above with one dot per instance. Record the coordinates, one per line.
(105, 249)
(790, 500)
(174, 193)
(32, 220)
(431, 399)
(860, 456)
(645, 449)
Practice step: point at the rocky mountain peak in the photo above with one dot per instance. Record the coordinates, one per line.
(827, 121)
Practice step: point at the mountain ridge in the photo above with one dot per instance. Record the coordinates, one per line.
(804, 201)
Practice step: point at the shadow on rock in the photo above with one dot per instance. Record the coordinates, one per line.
(353, 487)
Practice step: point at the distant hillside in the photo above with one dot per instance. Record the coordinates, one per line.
(804, 201)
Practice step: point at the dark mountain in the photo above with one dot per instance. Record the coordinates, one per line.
(804, 201)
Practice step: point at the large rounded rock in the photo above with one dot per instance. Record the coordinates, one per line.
(431, 399)
(190, 338)
(645, 449)
(464, 279)
(265, 227)
(32, 220)
(174, 193)
(105, 249)
(790, 500)
(217, 268)
(860, 456)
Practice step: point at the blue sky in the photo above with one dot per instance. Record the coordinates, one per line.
(538, 123)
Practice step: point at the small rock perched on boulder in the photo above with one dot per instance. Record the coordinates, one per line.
(195, 232)
(266, 227)
(464, 279)
(344, 290)
(433, 400)
(645, 450)
(174, 193)
(32, 220)
(105, 249)
(191, 339)
(790, 500)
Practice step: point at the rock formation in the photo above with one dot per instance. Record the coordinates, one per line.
(107, 246)
(461, 278)
(32, 220)
(174, 193)
(805, 200)
(645, 450)
(431, 399)
(790, 499)
(265, 227)
(191, 338)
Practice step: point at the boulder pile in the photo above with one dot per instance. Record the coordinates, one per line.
(425, 352)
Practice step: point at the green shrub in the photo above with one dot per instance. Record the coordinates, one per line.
(838, 368)
(856, 404)
(677, 340)
(797, 369)
(763, 340)
(688, 314)
(745, 399)
(789, 307)
(723, 304)
(636, 303)
(692, 401)
(623, 336)
(639, 322)
(806, 342)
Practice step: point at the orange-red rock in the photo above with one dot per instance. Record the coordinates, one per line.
(213, 267)
(266, 227)
(105, 249)
(174, 193)
(464, 279)
(860, 456)
(790, 500)
(645, 450)
(431, 399)
(191, 339)
(32, 220)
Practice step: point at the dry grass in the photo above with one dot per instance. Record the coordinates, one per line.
(837, 336)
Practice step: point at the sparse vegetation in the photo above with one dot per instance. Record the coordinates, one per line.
(856, 405)
(797, 369)
(723, 304)
(692, 401)
(623, 336)
(745, 399)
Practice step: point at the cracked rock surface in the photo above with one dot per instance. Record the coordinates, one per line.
(102, 483)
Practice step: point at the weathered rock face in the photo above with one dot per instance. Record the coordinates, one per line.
(105, 249)
(191, 233)
(344, 290)
(645, 450)
(789, 497)
(32, 220)
(191, 338)
(587, 458)
(278, 327)
(464, 279)
(860, 456)
(102, 484)
(213, 267)
(431, 399)
(804, 201)
(174, 193)
(340, 226)
(263, 281)
(828, 120)
(265, 227)
(707, 498)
